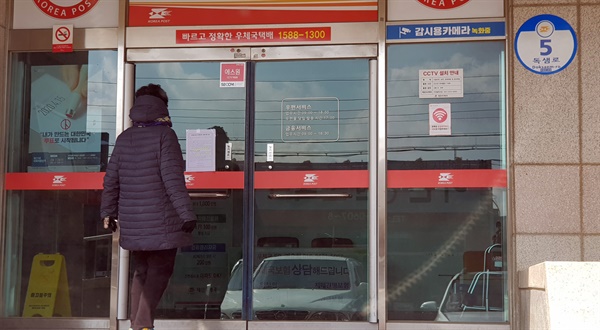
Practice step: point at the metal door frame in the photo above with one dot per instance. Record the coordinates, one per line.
(261, 54)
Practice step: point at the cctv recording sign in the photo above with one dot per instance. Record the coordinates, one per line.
(471, 30)
(441, 83)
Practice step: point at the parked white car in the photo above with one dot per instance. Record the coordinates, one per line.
(303, 288)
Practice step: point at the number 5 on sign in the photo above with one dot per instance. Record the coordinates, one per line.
(545, 44)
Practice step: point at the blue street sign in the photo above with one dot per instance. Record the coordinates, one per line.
(446, 30)
(545, 44)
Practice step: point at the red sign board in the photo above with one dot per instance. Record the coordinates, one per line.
(292, 34)
(192, 12)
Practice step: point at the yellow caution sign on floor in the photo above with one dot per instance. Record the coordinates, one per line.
(48, 289)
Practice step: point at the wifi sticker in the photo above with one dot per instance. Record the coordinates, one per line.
(439, 119)
(440, 115)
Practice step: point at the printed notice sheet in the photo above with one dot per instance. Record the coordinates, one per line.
(200, 150)
(435, 84)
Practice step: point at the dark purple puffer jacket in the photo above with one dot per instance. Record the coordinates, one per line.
(144, 185)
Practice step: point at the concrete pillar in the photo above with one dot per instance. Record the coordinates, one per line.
(560, 296)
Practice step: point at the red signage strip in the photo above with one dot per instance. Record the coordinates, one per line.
(169, 13)
(396, 179)
(94, 181)
(214, 180)
(311, 179)
(277, 180)
(291, 34)
(446, 179)
(54, 181)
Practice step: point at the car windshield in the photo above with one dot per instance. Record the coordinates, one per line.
(303, 274)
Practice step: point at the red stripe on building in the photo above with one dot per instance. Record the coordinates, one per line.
(277, 180)
(446, 179)
(311, 179)
(139, 16)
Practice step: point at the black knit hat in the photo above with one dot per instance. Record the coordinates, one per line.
(154, 90)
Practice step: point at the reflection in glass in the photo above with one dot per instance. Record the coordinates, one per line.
(438, 237)
(474, 297)
(315, 114)
(196, 101)
(231, 306)
(476, 117)
(310, 241)
(323, 288)
(53, 227)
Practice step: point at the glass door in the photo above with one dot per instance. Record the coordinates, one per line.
(311, 190)
(283, 225)
(210, 123)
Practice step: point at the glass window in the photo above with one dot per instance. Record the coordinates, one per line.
(446, 197)
(62, 120)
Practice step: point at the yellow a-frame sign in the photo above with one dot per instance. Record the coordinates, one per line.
(48, 289)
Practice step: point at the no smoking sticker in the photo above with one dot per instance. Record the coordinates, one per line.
(62, 38)
(62, 34)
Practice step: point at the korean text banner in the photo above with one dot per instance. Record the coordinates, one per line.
(238, 12)
(42, 14)
(443, 9)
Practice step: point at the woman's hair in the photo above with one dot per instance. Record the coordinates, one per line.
(154, 90)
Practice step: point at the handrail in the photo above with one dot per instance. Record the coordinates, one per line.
(209, 195)
(97, 237)
(325, 195)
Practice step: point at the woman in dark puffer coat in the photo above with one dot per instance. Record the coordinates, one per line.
(144, 188)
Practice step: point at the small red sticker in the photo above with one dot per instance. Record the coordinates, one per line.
(440, 115)
(65, 12)
(443, 4)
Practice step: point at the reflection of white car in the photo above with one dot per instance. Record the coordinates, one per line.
(304, 288)
(472, 297)
(231, 307)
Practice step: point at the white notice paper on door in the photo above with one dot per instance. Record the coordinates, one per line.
(200, 150)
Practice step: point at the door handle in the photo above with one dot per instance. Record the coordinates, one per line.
(97, 237)
(209, 195)
(325, 195)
